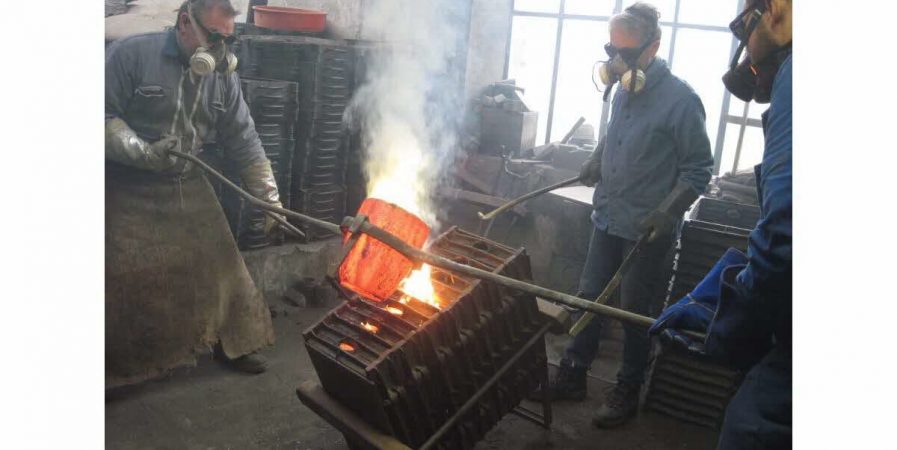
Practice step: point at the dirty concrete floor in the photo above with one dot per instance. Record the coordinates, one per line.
(212, 407)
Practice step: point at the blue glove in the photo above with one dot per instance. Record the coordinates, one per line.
(740, 332)
(695, 311)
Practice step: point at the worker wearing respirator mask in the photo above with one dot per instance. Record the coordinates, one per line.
(175, 280)
(647, 169)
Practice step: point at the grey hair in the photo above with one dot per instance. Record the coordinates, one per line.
(641, 19)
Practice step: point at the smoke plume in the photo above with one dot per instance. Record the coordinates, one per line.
(409, 106)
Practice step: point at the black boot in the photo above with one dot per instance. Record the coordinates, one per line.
(253, 363)
(568, 384)
(620, 405)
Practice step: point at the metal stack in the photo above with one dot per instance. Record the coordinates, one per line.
(701, 245)
(726, 213)
(408, 368)
(690, 389)
(273, 105)
(323, 70)
(682, 385)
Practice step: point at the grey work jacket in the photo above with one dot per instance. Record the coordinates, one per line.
(655, 138)
(146, 75)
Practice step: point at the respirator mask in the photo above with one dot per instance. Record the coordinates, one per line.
(750, 80)
(622, 66)
(212, 54)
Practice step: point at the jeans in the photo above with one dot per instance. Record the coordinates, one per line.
(759, 415)
(641, 291)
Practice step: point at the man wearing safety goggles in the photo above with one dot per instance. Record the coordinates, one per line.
(175, 281)
(653, 162)
(744, 304)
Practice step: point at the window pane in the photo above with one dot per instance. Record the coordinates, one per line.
(666, 8)
(736, 108)
(708, 12)
(751, 148)
(729, 145)
(581, 46)
(531, 62)
(589, 7)
(752, 145)
(547, 6)
(700, 59)
(666, 34)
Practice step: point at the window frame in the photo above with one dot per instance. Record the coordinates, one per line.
(675, 25)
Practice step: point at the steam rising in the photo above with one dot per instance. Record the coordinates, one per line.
(409, 105)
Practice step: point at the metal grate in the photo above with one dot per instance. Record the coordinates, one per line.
(412, 376)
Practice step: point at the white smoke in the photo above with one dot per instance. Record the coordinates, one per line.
(408, 106)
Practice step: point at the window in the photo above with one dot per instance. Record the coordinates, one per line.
(555, 43)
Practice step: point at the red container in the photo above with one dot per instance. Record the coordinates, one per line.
(290, 19)
(373, 269)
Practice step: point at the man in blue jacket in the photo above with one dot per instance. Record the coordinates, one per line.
(652, 164)
(744, 304)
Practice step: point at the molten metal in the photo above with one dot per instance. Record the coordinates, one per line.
(373, 269)
(395, 311)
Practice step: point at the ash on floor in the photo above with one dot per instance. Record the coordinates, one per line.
(212, 407)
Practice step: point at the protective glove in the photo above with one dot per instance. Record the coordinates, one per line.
(258, 178)
(663, 220)
(741, 331)
(696, 310)
(125, 147)
(590, 173)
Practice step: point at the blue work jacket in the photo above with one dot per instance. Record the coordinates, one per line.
(655, 138)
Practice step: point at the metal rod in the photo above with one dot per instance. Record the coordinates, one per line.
(472, 401)
(570, 133)
(526, 197)
(418, 255)
(611, 286)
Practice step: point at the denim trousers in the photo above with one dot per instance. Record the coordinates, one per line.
(641, 291)
(759, 415)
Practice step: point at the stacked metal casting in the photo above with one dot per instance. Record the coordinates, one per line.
(700, 247)
(323, 70)
(407, 368)
(690, 389)
(273, 105)
(724, 212)
(684, 386)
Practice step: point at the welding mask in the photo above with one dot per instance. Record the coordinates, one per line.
(623, 67)
(748, 80)
(212, 54)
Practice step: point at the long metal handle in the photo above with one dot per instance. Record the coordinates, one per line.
(415, 254)
(526, 197)
(611, 286)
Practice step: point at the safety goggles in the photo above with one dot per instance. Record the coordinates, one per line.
(214, 37)
(747, 21)
(628, 54)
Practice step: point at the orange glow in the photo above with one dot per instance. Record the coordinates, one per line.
(372, 268)
(370, 327)
(420, 286)
(346, 347)
(394, 310)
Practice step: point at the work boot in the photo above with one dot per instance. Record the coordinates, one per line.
(253, 363)
(568, 384)
(619, 406)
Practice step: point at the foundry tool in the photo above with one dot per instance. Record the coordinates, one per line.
(417, 255)
(612, 285)
(491, 215)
